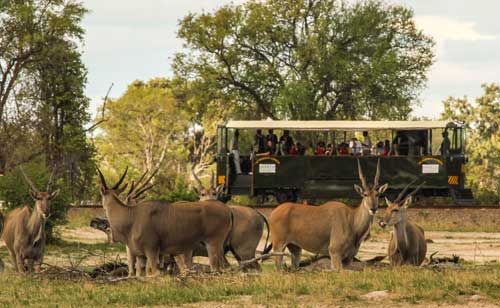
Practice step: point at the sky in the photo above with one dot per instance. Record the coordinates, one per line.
(128, 39)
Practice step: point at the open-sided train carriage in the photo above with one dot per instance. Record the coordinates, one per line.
(327, 177)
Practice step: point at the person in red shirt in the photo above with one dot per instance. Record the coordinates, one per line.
(320, 149)
(293, 150)
(343, 149)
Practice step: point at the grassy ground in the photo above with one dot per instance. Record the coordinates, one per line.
(405, 286)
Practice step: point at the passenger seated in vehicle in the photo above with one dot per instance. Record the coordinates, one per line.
(268, 149)
(301, 149)
(387, 148)
(271, 136)
(310, 149)
(356, 147)
(259, 142)
(286, 140)
(293, 150)
(343, 149)
(329, 150)
(320, 148)
(402, 144)
(379, 148)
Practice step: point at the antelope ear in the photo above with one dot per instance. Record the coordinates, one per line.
(54, 194)
(387, 201)
(407, 202)
(33, 194)
(383, 188)
(358, 189)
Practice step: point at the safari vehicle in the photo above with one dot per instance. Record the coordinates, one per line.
(289, 178)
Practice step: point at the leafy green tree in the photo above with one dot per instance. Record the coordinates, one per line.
(145, 129)
(483, 147)
(28, 28)
(307, 59)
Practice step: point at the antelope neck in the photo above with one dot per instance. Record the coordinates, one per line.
(400, 233)
(118, 216)
(36, 224)
(361, 219)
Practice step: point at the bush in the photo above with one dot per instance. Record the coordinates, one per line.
(179, 192)
(15, 192)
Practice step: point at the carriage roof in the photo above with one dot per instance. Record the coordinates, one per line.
(339, 125)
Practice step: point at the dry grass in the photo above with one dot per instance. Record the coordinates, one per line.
(405, 285)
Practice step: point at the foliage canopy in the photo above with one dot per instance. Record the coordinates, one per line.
(307, 59)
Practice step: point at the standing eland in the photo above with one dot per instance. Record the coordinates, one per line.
(24, 229)
(333, 228)
(151, 228)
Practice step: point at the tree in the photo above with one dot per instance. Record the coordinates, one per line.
(307, 59)
(145, 129)
(483, 147)
(28, 28)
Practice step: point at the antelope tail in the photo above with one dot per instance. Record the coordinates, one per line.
(267, 249)
(228, 239)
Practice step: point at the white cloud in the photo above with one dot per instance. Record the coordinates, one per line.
(444, 28)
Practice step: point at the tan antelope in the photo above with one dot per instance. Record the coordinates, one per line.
(24, 228)
(407, 244)
(152, 228)
(333, 228)
(248, 226)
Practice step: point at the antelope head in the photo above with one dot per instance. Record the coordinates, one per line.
(211, 193)
(111, 194)
(42, 198)
(370, 194)
(396, 210)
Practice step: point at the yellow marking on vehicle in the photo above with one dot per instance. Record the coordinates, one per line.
(274, 159)
(425, 159)
(221, 179)
(453, 179)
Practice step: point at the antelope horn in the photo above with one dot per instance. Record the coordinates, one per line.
(200, 185)
(143, 190)
(148, 179)
(103, 181)
(416, 189)
(402, 193)
(51, 180)
(377, 174)
(120, 180)
(142, 177)
(361, 176)
(28, 181)
(131, 190)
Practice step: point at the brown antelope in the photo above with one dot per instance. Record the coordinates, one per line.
(407, 244)
(152, 228)
(248, 226)
(24, 229)
(333, 228)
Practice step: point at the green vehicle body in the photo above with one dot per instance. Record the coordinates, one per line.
(289, 178)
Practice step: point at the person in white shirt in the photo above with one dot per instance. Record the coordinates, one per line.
(236, 152)
(367, 143)
(356, 147)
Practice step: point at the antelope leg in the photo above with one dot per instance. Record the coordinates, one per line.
(20, 263)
